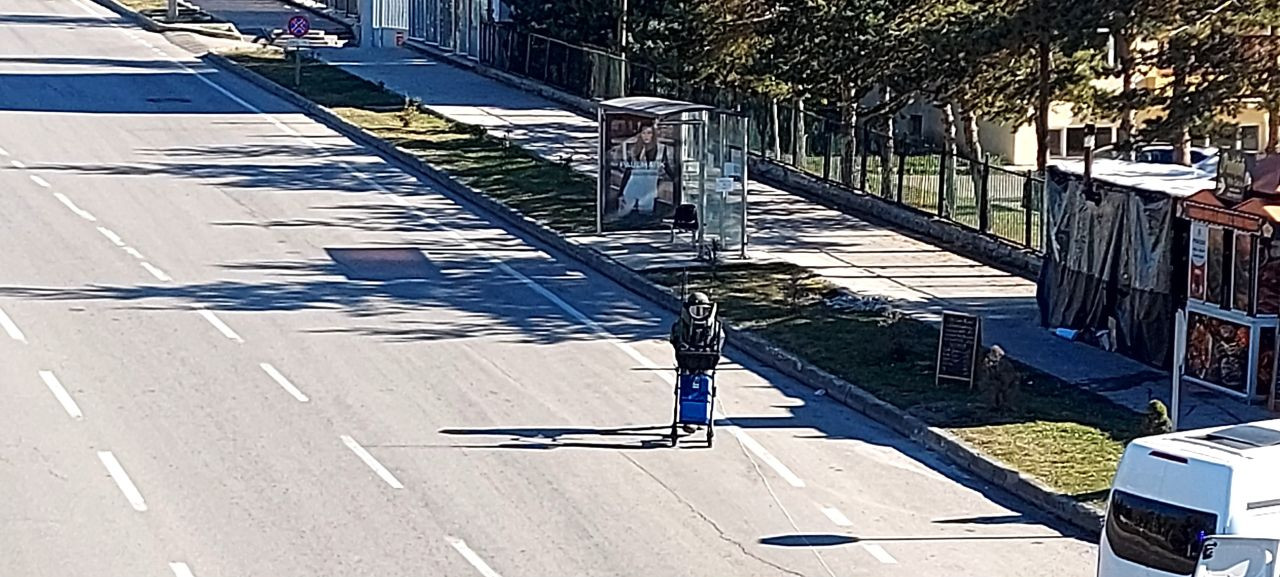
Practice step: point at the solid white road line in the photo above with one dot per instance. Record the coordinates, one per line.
(155, 272)
(111, 236)
(17, 164)
(768, 458)
(372, 462)
(82, 213)
(836, 516)
(279, 378)
(40, 181)
(880, 554)
(218, 324)
(133, 252)
(60, 393)
(181, 570)
(122, 480)
(472, 558)
(11, 328)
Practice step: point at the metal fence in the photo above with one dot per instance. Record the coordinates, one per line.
(976, 194)
(581, 71)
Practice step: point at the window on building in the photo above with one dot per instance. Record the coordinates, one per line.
(917, 125)
(1055, 142)
(1251, 138)
(1106, 135)
(1075, 141)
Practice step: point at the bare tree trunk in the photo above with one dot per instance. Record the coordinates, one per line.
(848, 119)
(949, 133)
(775, 130)
(800, 142)
(887, 176)
(1128, 69)
(1043, 102)
(1273, 128)
(969, 137)
(1182, 136)
(972, 146)
(949, 145)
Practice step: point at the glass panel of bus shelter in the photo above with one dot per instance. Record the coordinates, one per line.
(721, 206)
(692, 148)
(733, 161)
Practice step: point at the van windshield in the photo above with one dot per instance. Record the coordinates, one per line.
(1156, 534)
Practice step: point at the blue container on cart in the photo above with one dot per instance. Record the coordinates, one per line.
(695, 399)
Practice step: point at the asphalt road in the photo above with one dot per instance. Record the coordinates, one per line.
(236, 344)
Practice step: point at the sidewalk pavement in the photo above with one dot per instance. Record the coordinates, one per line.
(261, 17)
(865, 258)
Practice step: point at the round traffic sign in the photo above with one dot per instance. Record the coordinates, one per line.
(299, 26)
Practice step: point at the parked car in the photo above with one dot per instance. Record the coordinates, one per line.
(1204, 159)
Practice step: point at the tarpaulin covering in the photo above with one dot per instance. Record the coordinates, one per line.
(1114, 258)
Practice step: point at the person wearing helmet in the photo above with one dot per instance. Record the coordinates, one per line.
(697, 336)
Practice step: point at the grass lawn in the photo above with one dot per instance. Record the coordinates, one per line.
(548, 192)
(1068, 438)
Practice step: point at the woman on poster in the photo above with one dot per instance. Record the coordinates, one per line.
(647, 173)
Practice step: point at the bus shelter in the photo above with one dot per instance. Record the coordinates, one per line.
(660, 160)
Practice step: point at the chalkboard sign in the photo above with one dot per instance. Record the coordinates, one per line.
(958, 347)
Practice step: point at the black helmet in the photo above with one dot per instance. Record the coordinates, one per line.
(698, 306)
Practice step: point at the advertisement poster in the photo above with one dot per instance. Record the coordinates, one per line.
(1199, 258)
(1242, 281)
(642, 188)
(1269, 278)
(1217, 351)
(1266, 360)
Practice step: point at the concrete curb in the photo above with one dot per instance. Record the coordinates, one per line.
(150, 25)
(1082, 516)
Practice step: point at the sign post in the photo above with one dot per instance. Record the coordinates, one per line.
(958, 343)
(1179, 357)
(297, 27)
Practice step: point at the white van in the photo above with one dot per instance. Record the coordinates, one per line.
(1173, 491)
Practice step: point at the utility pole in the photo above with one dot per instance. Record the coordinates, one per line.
(172, 14)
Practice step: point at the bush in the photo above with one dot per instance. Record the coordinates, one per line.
(1156, 421)
(412, 111)
(999, 380)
